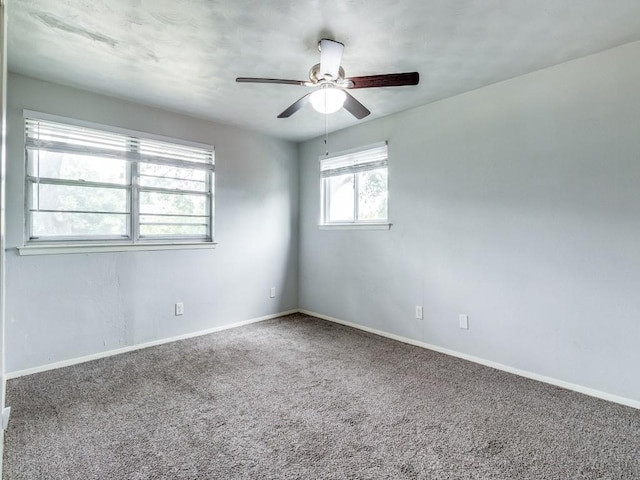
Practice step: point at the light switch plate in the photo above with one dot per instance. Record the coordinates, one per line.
(464, 321)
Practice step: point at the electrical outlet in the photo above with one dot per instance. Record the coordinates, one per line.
(179, 309)
(419, 312)
(272, 292)
(464, 321)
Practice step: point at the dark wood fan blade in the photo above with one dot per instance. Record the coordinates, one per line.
(269, 80)
(355, 108)
(388, 80)
(295, 107)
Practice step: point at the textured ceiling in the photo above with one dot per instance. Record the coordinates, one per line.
(184, 55)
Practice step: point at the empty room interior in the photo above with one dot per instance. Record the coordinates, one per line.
(320, 240)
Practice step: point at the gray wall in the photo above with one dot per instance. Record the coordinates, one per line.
(517, 204)
(65, 306)
(3, 182)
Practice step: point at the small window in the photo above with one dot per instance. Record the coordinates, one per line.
(354, 186)
(91, 185)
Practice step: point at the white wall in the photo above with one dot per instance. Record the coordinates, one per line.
(3, 183)
(517, 204)
(62, 307)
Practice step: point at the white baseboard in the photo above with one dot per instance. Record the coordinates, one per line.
(118, 351)
(498, 366)
(488, 363)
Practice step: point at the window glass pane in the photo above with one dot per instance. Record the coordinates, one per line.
(173, 219)
(172, 203)
(78, 224)
(69, 166)
(372, 194)
(173, 230)
(77, 197)
(174, 178)
(69, 169)
(340, 191)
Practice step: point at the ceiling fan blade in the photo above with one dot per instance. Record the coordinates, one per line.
(269, 80)
(355, 108)
(388, 80)
(330, 58)
(295, 107)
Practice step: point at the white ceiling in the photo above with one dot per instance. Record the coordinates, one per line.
(184, 55)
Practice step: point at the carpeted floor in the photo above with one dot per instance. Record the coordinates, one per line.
(301, 398)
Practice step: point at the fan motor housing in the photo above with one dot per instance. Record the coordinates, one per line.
(316, 77)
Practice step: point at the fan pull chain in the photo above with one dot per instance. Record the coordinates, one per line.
(326, 135)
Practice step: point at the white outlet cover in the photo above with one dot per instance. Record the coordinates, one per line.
(272, 292)
(464, 321)
(6, 412)
(419, 312)
(179, 308)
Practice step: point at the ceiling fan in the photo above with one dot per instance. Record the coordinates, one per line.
(328, 79)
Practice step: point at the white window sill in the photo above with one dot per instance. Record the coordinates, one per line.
(355, 226)
(101, 248)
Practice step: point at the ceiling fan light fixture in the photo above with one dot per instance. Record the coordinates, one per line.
(331, 84)
(328, 99)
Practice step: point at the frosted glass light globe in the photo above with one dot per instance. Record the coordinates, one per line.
(328, 99)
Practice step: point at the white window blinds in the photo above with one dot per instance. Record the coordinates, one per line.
(85, 183)
(45, 135)
(363, 159)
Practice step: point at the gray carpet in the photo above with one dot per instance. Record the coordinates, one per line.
(301, 398)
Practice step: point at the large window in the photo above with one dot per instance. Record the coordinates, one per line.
(89, 185)
(354, 186)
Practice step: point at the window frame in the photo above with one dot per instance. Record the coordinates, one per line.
(48, 244)
(382, 223)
